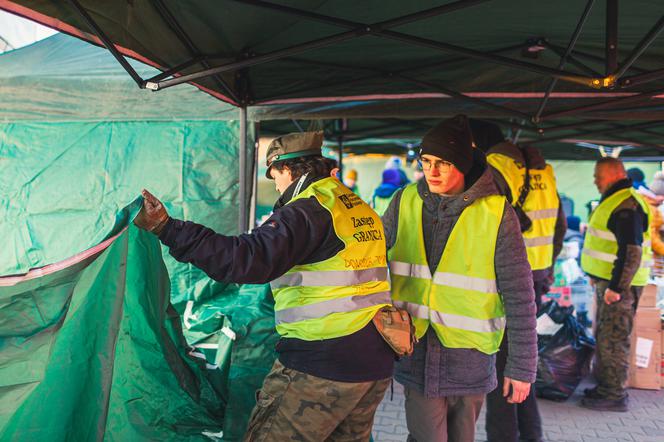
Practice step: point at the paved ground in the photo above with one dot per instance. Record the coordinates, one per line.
(563, 422)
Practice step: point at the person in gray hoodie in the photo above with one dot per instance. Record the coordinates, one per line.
(458, 264)
(543, 229)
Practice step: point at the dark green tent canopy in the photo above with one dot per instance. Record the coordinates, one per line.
(597, 66)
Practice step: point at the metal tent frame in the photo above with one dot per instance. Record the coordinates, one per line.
(545, 126)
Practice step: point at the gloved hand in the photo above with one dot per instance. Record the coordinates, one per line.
(153, 215)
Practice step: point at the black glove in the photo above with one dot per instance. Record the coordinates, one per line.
(153, 215)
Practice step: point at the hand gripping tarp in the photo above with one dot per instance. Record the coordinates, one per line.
(91, 349)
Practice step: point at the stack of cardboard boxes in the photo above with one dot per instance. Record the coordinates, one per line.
(645, 369)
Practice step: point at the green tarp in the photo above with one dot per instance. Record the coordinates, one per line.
(91, 349)
(76, 144)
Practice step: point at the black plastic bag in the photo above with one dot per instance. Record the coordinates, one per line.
(564, 358)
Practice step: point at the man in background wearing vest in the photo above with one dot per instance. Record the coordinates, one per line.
(458, 264)
(615, 255)
(323, 252)
(543, 234)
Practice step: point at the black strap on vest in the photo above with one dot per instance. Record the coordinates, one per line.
(526, 223)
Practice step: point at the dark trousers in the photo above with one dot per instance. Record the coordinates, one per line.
(507, 422)
(612, 352)
(441, 419)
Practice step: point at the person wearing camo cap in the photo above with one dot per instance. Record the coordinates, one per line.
(323, 252)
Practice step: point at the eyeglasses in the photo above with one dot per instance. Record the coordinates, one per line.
(442, 166)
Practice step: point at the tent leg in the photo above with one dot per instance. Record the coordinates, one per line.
(341, 156)
(254, 186)
(340, 141)
(242, 194)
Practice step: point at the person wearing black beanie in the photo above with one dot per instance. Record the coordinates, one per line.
(451, 140)
(446, 154)
(458, 265)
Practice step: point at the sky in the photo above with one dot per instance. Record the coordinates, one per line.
(16, 32)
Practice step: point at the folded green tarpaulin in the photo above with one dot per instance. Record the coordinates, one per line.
(91, 349)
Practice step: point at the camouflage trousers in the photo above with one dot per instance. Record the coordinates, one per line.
(295, 406)
(614, 323)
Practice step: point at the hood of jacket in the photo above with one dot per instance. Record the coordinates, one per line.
(535, 158)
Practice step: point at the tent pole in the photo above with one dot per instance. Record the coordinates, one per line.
(180, 33)
(242, 194)
(571, 58)
(254, 186)
(640, 48)
(611, 36)
(108, 43)
(380, 29)
(340, 141)
(646, 77)
(598, 131)
(633, 99)
(563, 59)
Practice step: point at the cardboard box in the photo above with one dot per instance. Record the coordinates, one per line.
(648, 318)
(662, 363)
(645, 367)
(648, 297)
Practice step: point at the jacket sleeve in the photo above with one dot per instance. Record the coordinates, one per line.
(287, 238)
(390, 219)
(627, 226)
(515, 285)
(559, 233)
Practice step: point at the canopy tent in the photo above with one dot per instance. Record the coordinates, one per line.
(77, 144)
(365, 62)
(68, 115)
(559, 71)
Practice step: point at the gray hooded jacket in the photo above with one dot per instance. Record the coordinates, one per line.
(435, 370)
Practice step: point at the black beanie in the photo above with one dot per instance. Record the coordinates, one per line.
(450, 140)
(485, 134)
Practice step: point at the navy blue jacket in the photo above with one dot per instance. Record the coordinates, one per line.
(298, 233)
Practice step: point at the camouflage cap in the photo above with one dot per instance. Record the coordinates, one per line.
(294, 145)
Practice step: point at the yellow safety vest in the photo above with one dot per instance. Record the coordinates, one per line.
(541, 206)
(381, 204)
(600, 247)
(460, 300)
(340, 295)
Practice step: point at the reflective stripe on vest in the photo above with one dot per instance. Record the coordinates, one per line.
(442, 278)
(601, 247)
(321, 309)
(340, 295)
(541, 206)
(460, 300)
(449, 320)
(542, 214)
(335, 278)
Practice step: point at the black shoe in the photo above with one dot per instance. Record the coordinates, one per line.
(602, 404)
